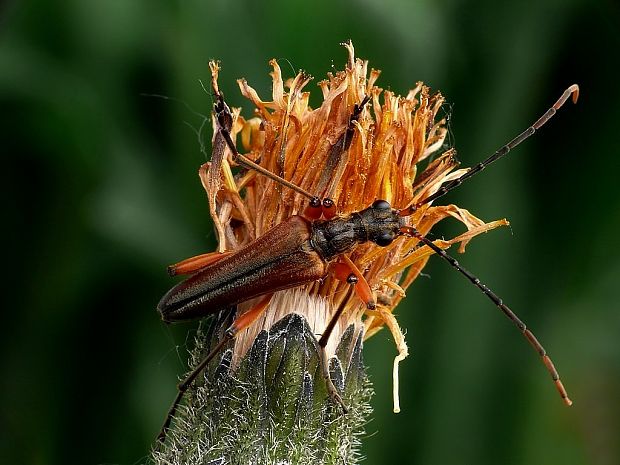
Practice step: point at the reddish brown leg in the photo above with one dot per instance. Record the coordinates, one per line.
(240, 323)
(344, 271)
(193, 264)
(347, 271)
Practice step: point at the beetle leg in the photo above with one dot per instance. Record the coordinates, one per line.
(240, 323)
(193, 264)
(347, 271)
(331, 389)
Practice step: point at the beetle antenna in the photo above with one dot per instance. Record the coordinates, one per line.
(222, 113)
(412, 232)
(224, 120)
(448, 186)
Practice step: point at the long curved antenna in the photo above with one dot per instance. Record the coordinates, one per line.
(412, 232)
(223, 115)
(447, 187)
(224, 122)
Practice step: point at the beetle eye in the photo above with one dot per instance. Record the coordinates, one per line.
(384, 239)
(381, 205)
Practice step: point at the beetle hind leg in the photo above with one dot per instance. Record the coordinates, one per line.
(193, 264)
(332, 390)
(241, 322)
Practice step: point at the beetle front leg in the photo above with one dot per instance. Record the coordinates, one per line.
(345, 271)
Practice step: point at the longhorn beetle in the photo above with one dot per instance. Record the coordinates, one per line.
(299, 250)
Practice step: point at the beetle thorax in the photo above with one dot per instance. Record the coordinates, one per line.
(378, 223)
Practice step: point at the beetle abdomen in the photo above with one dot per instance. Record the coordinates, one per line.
(281, 258)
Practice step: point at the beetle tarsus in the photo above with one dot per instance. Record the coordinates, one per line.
(332, 390)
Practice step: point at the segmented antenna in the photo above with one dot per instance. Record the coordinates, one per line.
(448, 186)
(410, 231)
(224, 121)
(222, 113)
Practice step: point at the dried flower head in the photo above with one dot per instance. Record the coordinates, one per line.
(396, 154)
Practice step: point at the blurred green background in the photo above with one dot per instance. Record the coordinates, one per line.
(100, 193)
